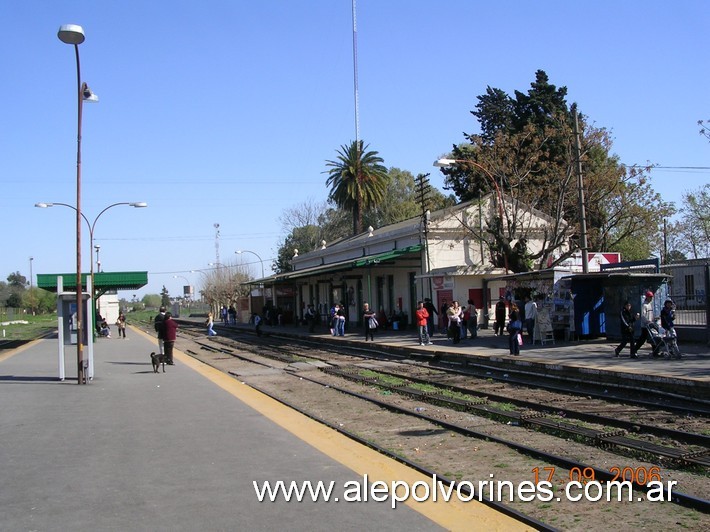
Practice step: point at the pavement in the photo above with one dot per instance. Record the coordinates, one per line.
(181, 450)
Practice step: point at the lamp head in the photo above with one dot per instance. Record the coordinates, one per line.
(71, 34)
(43, 205)
(443, 163)
(87, 95)
(138, 204)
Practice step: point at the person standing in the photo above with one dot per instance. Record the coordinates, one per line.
(473, 319)
(232, 315)
(444, 316)
(210, 325)
(499, 324)
(431, 309)
(646, 321)
(626, 325)
(121, 324)
(340, 329)
(453, 313)
(422, 317)
(310, 316)
(530, 317)
(463, 324)
(368, 317)
(170, 328)
(158, 326)
(515, 327)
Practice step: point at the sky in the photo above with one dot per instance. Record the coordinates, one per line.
(226, 111)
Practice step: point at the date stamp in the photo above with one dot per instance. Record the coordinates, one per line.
(640, 476)
(582, 484)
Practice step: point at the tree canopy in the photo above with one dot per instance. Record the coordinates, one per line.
(527, 149)
(357, 180)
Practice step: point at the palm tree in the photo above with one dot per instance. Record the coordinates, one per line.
(357, 180)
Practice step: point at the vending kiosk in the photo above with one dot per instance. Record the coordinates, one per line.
(68, 327)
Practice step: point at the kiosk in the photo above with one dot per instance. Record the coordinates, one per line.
(67, 326)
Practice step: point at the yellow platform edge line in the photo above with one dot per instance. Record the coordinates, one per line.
(452, 515)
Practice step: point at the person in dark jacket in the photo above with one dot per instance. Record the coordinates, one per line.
(431, 309)
(626, 324)
(499, 324)
(170, 328)
(158, 326)
(515, 328)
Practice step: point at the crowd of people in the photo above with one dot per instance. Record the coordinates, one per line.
(461, 322)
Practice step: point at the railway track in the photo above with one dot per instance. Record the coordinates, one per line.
(344, 365)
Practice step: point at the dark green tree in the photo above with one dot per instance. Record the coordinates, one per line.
(526, 150)
(164, 297)
(357, 180)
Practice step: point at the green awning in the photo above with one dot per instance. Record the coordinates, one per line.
(102, 281)
(389, 255)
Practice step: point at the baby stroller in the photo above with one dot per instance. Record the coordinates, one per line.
(664, 342)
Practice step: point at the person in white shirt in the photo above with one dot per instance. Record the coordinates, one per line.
(530, 316)
(646, 317)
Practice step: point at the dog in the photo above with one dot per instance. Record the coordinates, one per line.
(157, 360)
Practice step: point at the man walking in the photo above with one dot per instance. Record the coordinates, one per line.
(626, 324)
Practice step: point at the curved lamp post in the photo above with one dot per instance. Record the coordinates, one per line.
(445, 163)
(91, 226)
(74, 35)
(240, 251)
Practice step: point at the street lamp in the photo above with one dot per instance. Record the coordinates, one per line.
(92, 226)
(74, 35)
(444, 163)
(240, 251)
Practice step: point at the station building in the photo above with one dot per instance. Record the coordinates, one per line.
(440, 256)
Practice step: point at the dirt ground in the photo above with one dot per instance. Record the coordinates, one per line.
(464, 459)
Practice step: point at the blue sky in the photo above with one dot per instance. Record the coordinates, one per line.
(226, 111)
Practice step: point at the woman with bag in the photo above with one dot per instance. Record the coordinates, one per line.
(515, 328)
(368, 317)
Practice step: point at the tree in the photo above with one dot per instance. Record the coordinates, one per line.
(526, 150)
(704, 128)
(690, 235)
(400, 200)
(164, 297)
(17, 280)
(151, 300)
(357, 180)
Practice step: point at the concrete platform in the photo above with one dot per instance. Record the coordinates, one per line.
(180, 450)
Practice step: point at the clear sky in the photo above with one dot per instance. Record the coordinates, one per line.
(226, 111)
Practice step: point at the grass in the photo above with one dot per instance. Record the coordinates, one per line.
(35, 327)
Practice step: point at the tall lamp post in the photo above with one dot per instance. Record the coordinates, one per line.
(74, 35)
(444, 163)
(263, 295)
(92, 226)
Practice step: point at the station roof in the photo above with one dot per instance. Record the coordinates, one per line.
(349, 264)
(102, 280)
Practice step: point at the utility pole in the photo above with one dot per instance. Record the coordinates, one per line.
(580, 186)
(422, 189)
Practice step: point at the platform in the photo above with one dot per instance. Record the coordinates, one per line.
(135, 450)
(580, 359)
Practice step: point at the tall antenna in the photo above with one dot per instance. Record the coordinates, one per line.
(216, 244)
(357, 99)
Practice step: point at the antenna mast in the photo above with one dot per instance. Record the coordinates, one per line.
(357, 99)
(216, 244)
